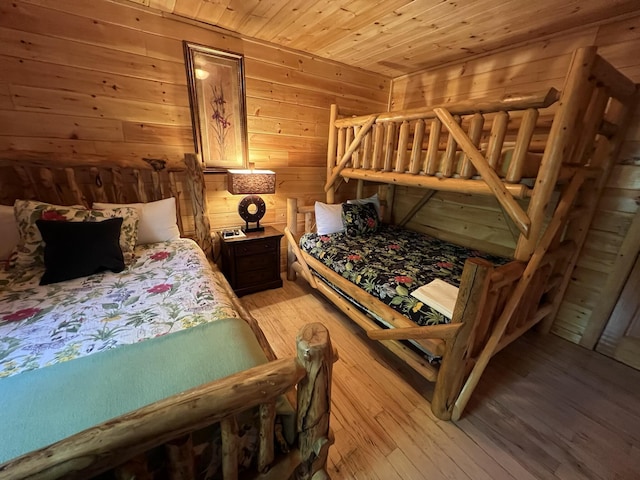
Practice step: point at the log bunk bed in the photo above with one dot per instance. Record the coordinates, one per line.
(462, 147)
(159, 437)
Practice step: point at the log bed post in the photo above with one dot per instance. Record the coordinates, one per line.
(474, 287)
(292, 225)
(331, 151)
(315, 354)
(563, 134)
(195, 178)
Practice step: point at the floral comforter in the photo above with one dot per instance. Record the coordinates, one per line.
(169, 287)
(393, 262)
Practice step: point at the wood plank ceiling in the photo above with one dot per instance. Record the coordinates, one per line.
(396, 37)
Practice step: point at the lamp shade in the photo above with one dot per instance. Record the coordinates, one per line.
(243, 182)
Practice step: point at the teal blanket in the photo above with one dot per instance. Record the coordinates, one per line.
(43, 406)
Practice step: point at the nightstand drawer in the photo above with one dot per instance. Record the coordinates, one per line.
(250, 263)
(253, 248)
(256, 277)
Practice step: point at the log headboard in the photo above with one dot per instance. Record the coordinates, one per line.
(81, 184)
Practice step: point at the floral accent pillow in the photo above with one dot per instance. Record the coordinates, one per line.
(128, 231)
(30, 249)
(359, 219)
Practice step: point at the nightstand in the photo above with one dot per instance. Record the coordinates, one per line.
(252, 263)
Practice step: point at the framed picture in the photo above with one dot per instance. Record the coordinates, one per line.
(218, 111)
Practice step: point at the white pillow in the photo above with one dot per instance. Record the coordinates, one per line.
(9, 236)
(328, 218)
(157, 219)
(372, 199)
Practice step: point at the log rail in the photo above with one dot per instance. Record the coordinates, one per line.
(440, 148)
(518, 147)
(99, 448)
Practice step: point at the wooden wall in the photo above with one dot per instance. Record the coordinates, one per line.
(105, 82)
(478, 219)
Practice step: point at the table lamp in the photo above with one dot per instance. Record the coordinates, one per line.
(251, 183)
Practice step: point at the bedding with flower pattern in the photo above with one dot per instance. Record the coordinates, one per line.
(393, 262)
(169, 287)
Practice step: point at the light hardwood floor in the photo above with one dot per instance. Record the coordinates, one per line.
(545, 408)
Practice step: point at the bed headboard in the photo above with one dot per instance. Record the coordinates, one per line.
(148, 180)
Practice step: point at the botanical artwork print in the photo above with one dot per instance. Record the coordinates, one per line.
(392, 263)
(220, 120)
(220, 114)
(169, 287)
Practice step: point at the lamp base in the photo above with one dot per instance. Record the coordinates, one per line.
(248, 229)
(251, 209)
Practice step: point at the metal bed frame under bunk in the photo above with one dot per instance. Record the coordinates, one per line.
(502, 148)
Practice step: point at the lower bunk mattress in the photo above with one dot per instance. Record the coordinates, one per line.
(393, 262)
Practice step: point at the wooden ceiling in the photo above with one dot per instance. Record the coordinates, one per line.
(395, 37)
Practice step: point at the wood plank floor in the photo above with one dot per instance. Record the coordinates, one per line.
(545, 408)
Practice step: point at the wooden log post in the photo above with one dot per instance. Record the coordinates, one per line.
(331, 147)
(474, 288)
(366, 151)
(449, 161)
(562, 136)
(389, 144)
(140, 191)
(315, 354)
(118, 184)
(376, 162)
(496, 140)
(76, 192)
(431, 162)
(403, 140)
(229, 434)
(525, 134)
(48, 183)
(267, 436)
(292, 225)
(29, 187)
(195, 180)
(416, 150)
(176, 193)
(180, 458)
(97, 185)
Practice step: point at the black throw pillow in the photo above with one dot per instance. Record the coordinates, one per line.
(78, 249)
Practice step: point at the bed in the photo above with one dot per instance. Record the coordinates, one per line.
(545, 157)
(155, 371)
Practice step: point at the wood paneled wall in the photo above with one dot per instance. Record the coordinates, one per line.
(479, 221)
(105, 82)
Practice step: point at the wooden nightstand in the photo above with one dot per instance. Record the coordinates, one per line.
(252, 263)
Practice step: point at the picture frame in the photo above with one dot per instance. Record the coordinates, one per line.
(216, 85)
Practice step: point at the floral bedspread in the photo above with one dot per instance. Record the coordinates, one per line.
(169, 287)
(393, 262)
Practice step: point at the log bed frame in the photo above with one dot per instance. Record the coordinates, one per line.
(119, 444)
(425, 147)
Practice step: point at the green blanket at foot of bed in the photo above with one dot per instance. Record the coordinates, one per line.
(40, 407)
